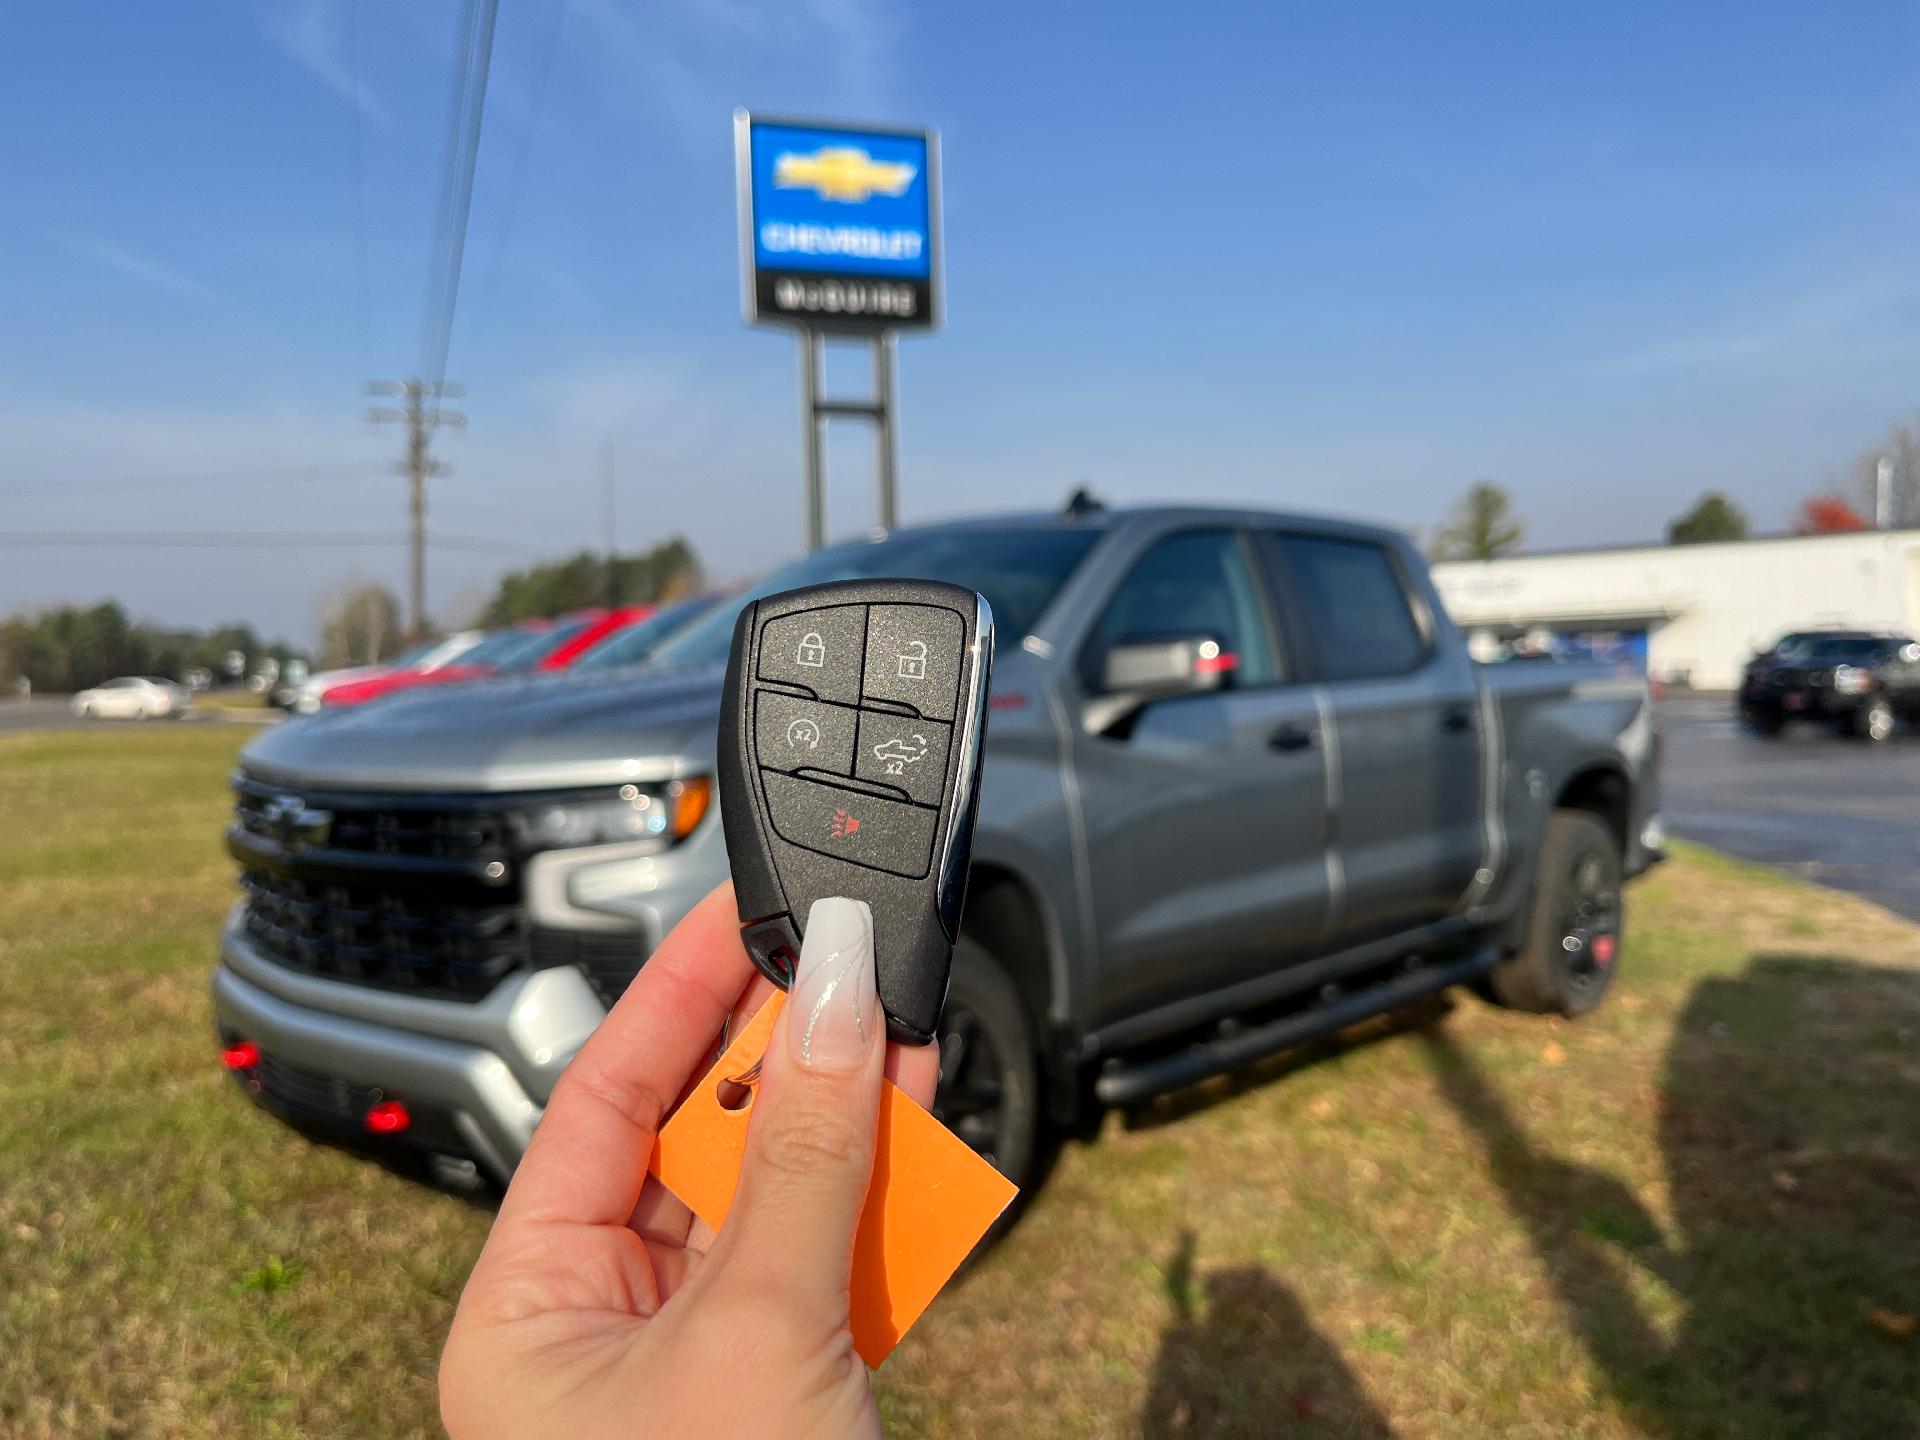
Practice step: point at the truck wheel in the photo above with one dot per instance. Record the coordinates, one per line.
(1874, 720)
(989, 1091)
(1767, 724)
(1574, 930)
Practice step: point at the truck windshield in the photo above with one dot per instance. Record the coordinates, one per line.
(638, 642)
(1833, 649)
(1019, 571)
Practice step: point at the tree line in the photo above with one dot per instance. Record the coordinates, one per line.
(72, 647)
(1483, 524)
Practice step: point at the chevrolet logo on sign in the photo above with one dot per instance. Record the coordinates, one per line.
(842, 173)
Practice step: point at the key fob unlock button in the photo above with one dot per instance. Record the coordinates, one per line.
(913, 656)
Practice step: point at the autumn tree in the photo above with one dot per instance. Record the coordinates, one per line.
(1481, 527)
(1713, 517)
(360, 625)
(1827, 515)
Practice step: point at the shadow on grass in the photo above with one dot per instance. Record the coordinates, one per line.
(1251, 1365)
(1791, 1144)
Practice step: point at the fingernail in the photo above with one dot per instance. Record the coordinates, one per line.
(833, 1016)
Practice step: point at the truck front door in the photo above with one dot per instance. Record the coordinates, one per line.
(1205, 813)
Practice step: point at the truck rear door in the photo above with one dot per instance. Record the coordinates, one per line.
(1405, 743)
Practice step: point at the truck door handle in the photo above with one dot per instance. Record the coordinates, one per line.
(1456, 718)
(1290, 737)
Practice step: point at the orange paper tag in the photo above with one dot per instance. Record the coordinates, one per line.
(930, 1201)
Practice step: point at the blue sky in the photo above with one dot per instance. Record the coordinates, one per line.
(1344, 256)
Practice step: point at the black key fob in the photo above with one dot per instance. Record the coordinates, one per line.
(850, 741)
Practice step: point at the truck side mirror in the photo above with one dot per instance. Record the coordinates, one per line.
(1134, 672)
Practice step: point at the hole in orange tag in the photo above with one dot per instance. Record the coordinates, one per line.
(930, 1201)
(732, 1094)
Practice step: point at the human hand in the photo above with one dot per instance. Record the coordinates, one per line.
(601, 1305)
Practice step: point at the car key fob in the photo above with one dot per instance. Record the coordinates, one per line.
(850, 741)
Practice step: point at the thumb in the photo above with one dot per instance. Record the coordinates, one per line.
(810, 1143)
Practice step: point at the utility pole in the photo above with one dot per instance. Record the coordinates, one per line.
(420, 410)
(1883, 494)
(613, 549)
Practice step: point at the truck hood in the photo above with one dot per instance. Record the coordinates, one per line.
(533, 732)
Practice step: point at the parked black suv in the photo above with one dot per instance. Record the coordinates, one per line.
(1858, 681)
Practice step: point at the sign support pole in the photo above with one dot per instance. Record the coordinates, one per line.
(810, 414)
(886, 464)
(816, 408)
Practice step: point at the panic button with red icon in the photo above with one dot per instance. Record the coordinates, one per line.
(880, 834)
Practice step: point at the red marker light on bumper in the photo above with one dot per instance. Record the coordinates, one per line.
(388, 1117)
(241, 1055)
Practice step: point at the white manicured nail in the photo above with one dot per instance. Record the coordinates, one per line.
(834, 1014)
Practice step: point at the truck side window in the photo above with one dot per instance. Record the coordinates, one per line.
(1354, 604)
(1194, 582)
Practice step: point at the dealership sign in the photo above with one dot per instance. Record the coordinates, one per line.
(839, 225)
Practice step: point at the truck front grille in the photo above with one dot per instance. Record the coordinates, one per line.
(385, 937)
(412, 892)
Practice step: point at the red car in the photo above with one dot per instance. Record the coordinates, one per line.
(521, 649)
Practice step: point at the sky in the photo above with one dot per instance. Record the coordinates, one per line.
(1346, 256)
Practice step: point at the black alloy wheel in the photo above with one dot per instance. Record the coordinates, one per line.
(989, 1072)
(1590, 929)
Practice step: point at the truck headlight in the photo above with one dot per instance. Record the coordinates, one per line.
(1852, 680)
(668, 812)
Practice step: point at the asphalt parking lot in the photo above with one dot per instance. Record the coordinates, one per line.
(1835, 811)
(53, 713)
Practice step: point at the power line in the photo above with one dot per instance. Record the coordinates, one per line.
(260, 539)
(466, 111)
(357, 176)
(518, 172)
(295, 473)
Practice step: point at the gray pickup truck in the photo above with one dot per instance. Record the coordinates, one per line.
(1243, 786)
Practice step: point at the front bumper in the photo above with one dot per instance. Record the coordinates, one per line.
(1805, 703)
(484, 1070)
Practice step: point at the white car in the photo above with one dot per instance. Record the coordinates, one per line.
(133, 697)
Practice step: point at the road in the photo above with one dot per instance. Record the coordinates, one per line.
(51, 713)
(1835, 811)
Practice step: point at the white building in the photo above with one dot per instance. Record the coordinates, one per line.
(1695, 613)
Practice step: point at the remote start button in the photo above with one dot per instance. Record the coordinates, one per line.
(880, 834)
(793, 734)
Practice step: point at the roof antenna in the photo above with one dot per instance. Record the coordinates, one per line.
(1084, 502)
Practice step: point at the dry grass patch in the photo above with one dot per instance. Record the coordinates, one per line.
(1692, 1215)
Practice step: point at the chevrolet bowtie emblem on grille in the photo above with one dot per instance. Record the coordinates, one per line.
(294, 825)
(847, 173)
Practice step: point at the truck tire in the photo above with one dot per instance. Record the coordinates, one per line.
(989, 1091)
(1575, 925)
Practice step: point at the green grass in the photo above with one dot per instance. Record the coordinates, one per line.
(1691, 1215)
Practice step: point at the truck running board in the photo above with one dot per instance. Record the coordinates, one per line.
(1124, 1082)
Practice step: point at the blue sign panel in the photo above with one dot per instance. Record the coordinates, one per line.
(840, 225)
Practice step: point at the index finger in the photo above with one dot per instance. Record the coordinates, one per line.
(588, 1158)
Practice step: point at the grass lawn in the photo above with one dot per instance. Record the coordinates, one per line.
(1695, 1214)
